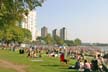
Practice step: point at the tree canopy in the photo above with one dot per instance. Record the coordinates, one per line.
(77, 42)
(15, 33)
(58, 41)
(12, 11)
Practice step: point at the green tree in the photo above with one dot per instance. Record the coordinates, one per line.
(8, 34)
(13, 11)
(69, 42)
(27, 35)
(1, 34)
(48, 39)
(39, 38)
(58, 40)
(18, 35)
(77, 42)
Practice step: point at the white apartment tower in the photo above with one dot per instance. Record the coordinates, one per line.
(30, 22)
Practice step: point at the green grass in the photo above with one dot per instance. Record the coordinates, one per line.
(6, 70)
(47, 65)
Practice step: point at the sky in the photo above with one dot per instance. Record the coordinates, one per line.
(84, 19)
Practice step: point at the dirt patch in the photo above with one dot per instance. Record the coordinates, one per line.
(9, 65)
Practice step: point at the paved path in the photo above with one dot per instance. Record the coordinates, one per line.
(9, 65)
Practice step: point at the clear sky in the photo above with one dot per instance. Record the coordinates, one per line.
(84, 19)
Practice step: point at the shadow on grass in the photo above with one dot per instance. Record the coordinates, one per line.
(63, 69)
(68, 70)
(51, 65)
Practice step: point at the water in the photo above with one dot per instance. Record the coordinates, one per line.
(103, 48)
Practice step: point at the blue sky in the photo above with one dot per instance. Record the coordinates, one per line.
(84, 19)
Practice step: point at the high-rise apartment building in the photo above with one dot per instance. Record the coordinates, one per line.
(30, 22)
(55, 32)
(44, 31)
(63, 33)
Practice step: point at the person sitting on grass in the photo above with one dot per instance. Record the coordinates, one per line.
(100, 62)
(62, 59)
(76, 66)
(94, 65)
(87, 66)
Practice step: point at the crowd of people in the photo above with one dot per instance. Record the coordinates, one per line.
(82, 64)
(94, 65)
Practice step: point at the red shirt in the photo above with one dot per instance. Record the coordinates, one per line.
(62, 57)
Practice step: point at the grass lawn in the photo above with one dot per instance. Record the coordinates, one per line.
(46, 65)
(6, 70)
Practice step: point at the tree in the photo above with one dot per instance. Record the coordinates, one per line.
(58, 40)
(8, 34)
(27, 35)
(18, 34)
(48, 39)
(12, 33)
(69, 42)
(1, 34)
(15, 34)
(39, 38)
(77, 42)
(13, 11)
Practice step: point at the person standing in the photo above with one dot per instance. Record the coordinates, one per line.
(62, 58)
